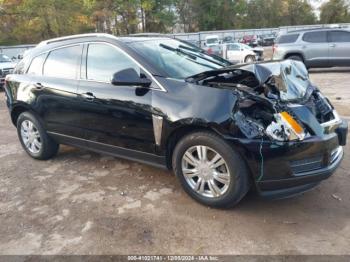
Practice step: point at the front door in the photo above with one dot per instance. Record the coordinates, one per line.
(234, 53)
(119, 116)
(339, 48)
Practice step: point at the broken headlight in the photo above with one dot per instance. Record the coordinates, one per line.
(285, 128)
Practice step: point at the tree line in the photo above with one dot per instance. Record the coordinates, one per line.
(30, 21)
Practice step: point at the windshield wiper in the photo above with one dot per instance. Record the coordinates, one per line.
(223, 62)
(178, 50)
(191, 55)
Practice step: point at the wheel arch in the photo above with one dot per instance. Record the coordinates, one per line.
(177, 134)
(17, 110)
(295, 54)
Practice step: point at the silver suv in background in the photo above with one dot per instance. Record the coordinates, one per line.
(316, 47)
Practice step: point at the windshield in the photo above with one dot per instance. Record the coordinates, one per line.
(4, 58)
(176, 59)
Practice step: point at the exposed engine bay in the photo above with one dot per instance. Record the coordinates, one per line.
(275, 100)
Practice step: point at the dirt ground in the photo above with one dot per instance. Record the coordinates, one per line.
(86, 203)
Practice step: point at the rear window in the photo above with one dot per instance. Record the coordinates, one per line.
(339, 36)
(63, 62)
(36, 67)
(287, 39)
(315, 37)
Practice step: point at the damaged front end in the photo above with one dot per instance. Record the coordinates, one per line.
(276, 101)
(290, 133)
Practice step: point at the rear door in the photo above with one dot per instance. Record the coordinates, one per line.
(54, 78)
(316, 49)
(339, 48)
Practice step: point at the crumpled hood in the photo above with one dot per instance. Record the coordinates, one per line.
(290, 78)
(263, 71)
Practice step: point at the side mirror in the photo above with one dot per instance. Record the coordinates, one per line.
(129, 77)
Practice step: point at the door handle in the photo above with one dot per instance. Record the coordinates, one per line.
(88, 96)
(332, 45)
(38, 85)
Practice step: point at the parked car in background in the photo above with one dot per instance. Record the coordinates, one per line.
(15, 52)
(6, 67)
(223, 129)
(212, 45)
(322, 47)
(241, 53)
(214, 50)
(211, 40)
(251, 40)
(267, 40)
(228, 39)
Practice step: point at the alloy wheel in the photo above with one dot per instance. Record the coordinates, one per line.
(30, 136)
(206, 171)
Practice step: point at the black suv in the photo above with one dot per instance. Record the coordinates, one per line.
(223, 129)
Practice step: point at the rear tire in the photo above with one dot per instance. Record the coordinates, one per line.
(221, 183)
(34, 138)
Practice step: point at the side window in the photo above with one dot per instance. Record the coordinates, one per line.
(234, 47)
(36, 67)
(287, 39)
(339, 36)
(105, 60)
(315, 37)
(63, 62)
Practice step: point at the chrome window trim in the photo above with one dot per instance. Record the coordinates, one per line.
(47, 52)
(160, 87)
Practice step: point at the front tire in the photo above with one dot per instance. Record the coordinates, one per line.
(209, 170)
(34, 138)
(249, 59)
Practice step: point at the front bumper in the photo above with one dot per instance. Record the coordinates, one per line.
(283, 169)
(305, 181)
(259, 58)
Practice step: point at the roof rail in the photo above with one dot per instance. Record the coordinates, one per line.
(71, 37)
(315, 28)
